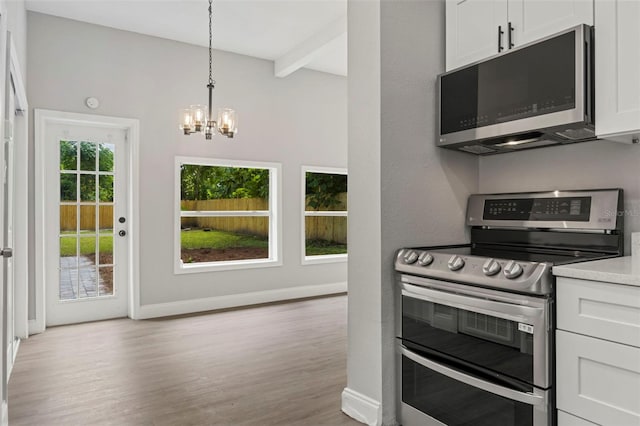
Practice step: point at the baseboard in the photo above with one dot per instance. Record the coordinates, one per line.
(361, 408)
(4, 417)
(36, 327)
(235, 300)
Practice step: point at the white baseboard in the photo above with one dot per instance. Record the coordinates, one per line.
(235, 300)
(4, 417)
(361, 408)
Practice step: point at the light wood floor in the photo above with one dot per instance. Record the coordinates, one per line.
(282, 364)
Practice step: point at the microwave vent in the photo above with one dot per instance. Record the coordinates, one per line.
(477, 149)
(577, 134)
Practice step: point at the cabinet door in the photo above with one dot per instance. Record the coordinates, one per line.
(598, 380)
(535, 19)
(565, 419)
(472, 30)
(617, 69)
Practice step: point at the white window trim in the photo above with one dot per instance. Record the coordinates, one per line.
(275, 222)
(325, 258)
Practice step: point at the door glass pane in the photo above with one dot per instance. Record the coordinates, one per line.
(106, 280)
(88, 284)
(87, 188)
(106, 217)
(68, 252)
(68, 155)
(68, 283)
(87, 251)
(106, 249)
(68, 218)
(88, 156)
(455, 403)
(106, 188)
(88, 219)
(68, 187)
(107, 154)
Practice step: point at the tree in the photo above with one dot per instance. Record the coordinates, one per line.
(322, 189)
(215, 182)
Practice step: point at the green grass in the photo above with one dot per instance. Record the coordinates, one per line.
(197, 238)
(322, 247)
(87, 244)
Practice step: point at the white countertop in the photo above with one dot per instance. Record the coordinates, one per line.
(619, 270)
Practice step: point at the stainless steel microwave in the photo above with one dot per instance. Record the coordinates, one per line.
(536, 95)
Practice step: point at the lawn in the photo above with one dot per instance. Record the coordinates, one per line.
(87, 244)
(198, 238)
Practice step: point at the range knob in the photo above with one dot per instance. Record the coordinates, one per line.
(455, 263)
(425, 259)
(410, 257)
(512, 270)
(491, 267)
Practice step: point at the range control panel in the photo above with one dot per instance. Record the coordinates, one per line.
(538, 209)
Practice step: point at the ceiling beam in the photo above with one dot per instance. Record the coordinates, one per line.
(306, 51)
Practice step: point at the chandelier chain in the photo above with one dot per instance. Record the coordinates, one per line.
(210, 45)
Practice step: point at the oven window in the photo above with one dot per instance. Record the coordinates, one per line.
(456, 403)
(483, 340)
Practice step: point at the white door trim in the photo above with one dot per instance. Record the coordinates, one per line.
(43, 118)
(21, 192)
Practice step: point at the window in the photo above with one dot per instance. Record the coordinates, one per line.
(227, 215)
(324, 214)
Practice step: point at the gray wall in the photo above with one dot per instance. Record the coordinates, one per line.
(422, 190)
(297, 120)
(599, 164)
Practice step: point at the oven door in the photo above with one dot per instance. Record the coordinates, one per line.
(497, 333)
(436, 394)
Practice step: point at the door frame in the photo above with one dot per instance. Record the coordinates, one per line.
(21, 192)
(44, 118)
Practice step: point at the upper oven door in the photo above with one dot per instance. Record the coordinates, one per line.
(495, 336)
(537, 86)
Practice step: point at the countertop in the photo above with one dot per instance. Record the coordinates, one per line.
(619, 270)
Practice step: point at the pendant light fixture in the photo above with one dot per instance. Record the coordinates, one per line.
(199, 119)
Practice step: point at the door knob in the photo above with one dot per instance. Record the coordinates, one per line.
(122, 233)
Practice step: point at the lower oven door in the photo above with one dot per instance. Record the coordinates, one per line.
(434, 393)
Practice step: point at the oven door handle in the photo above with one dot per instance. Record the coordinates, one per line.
(509, 311)
(523, 397)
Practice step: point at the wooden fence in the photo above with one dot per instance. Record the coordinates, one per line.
(317, 227)
(69, 217)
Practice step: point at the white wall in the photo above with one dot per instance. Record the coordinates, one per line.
(297, 120)
(404, 191)
(599, 164)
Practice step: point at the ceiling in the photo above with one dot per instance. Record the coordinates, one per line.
(293, 33)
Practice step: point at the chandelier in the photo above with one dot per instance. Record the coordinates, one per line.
(199, 119)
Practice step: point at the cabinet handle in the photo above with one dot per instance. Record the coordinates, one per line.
(510, 35)
(500, 32)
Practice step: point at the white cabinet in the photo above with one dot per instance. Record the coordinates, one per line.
(477, 29)
(617, 59)
(598, 380)
(597, 353)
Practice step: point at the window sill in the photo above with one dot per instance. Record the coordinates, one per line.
(325, 258)
(195, 268)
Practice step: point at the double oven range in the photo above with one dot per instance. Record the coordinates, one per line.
(476, 322)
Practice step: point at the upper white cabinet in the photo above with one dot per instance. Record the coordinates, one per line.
(617, 59)
(477, 29)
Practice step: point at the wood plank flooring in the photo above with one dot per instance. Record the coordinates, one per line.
(282, 364)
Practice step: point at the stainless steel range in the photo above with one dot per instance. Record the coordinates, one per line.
(476, 321)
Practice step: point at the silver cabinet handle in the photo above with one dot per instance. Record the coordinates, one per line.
(525, 398)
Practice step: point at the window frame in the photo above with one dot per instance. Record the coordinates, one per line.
(275, 218)
(323, 258)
